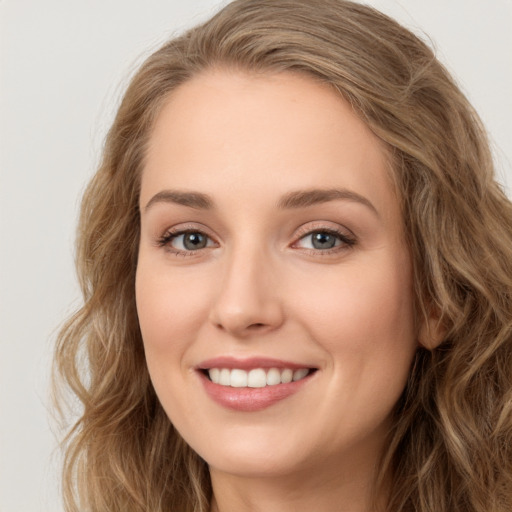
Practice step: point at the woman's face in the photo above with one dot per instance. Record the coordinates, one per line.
(272, 249)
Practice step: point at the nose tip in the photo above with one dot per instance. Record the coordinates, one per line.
(248, 301)
(247, 318)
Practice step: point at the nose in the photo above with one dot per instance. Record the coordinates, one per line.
(248, 300)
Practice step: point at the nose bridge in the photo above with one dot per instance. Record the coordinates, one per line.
(247, 299)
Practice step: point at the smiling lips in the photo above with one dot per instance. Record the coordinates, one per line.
(255, 378)
(251, 385)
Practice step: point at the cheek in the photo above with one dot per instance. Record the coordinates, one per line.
(169, 310)
(365, 324)
(364, 315)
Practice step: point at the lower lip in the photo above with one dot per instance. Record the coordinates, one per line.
(250, 399)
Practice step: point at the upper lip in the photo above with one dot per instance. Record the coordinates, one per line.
(249, 363)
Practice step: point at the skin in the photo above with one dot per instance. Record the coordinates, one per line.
(261, 288)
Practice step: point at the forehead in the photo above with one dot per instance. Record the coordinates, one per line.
(229, 129)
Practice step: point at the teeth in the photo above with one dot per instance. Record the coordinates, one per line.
(300, 374)
(256, 378)
(273, 377)
(286, 376)
(215, 375)
(224, 377)
(238, 379)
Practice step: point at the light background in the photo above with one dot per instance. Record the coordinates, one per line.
(63, 66)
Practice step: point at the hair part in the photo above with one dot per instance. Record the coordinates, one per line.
(451, 446)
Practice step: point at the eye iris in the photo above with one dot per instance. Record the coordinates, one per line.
(193, 241)
(323, 240)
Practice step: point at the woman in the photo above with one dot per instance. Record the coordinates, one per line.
(296, 272)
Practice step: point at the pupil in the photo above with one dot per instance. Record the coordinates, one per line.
(192, 241)
(323, 241)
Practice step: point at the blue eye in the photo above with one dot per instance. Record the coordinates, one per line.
(186, 241)
(323, 240)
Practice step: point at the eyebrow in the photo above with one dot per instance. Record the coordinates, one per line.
(304, 198)
(191, 199)
(292, 200)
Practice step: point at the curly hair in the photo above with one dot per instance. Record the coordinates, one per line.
(451, 446)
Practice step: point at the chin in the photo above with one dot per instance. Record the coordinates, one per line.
(253, 454)
(256, 463)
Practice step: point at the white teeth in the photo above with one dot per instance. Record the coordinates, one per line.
(224, 377)
(273, 377)
(286, 376)
(300, 374)
(256, 378)
(215, 375)
(238, 379)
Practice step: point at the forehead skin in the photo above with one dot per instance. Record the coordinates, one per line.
(208, 106)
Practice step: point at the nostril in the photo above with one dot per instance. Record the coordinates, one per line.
(256, 326)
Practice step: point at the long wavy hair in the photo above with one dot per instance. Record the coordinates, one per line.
(451, 446)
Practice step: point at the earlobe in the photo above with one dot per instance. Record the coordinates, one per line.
(432, 332)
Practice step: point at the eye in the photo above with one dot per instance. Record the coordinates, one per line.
(321, 240)
(324, 240)
(186, 241)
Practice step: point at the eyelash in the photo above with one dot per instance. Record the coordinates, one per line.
(347, 241)
(165, 241)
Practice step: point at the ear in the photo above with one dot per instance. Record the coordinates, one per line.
(431, 332)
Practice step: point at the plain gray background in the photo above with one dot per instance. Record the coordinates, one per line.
(63, 67)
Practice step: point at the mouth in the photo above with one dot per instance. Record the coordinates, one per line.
(253, 384)
(256, 377)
